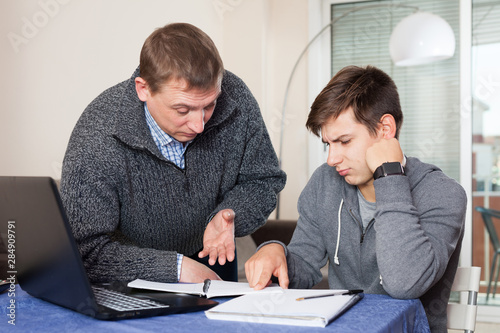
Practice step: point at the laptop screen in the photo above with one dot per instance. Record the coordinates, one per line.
(47, 262)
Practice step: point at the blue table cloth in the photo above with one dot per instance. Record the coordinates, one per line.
(374, 313)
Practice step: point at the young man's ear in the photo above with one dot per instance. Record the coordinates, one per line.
(141, 87)
(387, 126)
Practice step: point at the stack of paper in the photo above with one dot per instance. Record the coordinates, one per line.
(284, 308)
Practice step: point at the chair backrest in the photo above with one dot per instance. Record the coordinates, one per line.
(463, 316)
(488, 215)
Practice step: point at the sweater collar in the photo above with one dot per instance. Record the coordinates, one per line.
(130, 125)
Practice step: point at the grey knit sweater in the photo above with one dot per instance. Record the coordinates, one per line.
(410, 250)
(132, 211)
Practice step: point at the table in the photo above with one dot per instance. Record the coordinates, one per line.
(374, 313)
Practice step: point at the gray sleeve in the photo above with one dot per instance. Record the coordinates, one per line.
(417, 231)
(260, 178)
(307, 252)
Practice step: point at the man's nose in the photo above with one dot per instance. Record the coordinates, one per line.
(197, 121)
(334, 157)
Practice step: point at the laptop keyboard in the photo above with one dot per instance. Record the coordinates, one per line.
(121, 302)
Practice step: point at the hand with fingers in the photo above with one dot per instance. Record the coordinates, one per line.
(218, 240)
(269, 261)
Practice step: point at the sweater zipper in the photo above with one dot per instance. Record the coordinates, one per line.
(185, 152)
(360, 225)
(364, 231)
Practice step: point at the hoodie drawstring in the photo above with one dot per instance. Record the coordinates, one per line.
(336, 258)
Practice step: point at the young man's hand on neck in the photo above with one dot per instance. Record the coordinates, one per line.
(385, 150)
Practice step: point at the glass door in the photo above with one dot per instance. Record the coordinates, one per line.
(485, 136)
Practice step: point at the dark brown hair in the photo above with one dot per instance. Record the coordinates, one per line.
(180, 51)
(369, 91)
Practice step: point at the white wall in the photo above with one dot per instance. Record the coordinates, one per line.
(58, 55)
(288, 36)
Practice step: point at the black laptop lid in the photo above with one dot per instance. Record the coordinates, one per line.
(47, 262)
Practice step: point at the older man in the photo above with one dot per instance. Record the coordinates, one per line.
(167, 167)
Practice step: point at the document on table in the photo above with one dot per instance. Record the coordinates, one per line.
(210, 288)
(285, 308)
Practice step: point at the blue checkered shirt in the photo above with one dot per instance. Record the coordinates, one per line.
(172, 150)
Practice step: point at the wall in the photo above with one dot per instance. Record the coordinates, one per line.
(262, 41)
(58, 55)
(289, 35)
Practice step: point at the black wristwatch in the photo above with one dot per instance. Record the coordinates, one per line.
(389, 169)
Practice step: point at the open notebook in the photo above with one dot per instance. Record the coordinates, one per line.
(286, 308)
(208, 289)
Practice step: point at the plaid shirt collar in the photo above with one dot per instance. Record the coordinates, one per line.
(169, 147)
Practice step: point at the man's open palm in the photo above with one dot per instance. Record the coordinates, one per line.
(218, 240)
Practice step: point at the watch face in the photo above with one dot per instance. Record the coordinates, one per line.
(392, 168)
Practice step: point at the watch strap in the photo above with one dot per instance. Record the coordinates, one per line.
(389, 169)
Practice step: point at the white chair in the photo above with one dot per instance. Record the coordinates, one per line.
(463, 316)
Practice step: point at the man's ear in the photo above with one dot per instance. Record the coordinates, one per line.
(142, 89)
(387, 126)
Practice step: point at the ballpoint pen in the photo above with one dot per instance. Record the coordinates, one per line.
(348, 292)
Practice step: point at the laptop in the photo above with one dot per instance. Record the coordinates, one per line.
(48, 264)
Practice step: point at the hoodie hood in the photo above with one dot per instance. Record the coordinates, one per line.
(417, 170)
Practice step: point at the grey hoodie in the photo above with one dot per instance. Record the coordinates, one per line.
(410, 249)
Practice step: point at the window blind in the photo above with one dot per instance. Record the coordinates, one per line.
(429, 93)
(485, 22)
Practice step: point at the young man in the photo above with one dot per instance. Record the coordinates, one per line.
(169, 166)
(385, 223)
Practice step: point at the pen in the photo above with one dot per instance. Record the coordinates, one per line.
(349, 292)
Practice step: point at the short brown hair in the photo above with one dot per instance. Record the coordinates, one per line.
(369, 91)
(180, 51)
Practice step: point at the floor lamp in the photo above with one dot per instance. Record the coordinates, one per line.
(419, 38)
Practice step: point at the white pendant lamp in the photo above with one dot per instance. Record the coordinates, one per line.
(421, 38)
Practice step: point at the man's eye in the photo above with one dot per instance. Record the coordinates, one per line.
(345, 142)
(182, 111)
